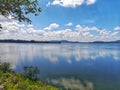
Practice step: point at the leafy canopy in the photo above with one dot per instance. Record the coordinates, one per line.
(19, 9)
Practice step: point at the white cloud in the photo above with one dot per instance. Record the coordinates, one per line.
(81, 28)
(117, 28)
(6, 19)
(87, 34)
(69, 24)
(71, 3)
(68, 3)
(14, 30)
(114, 33)
(104, 32)
(89, 2)
(51, 26)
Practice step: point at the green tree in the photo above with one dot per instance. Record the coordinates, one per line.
(19, 9)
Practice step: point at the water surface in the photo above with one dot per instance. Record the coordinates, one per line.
(69, 66)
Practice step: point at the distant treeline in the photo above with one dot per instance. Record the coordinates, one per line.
(53, 41)
(26, 41)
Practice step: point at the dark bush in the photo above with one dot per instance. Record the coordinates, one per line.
(5, 67)
(31, 72)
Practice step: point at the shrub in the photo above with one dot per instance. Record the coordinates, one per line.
(31, 72)
(5, 67)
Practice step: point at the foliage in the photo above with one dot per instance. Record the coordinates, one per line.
(18, 9)
(5, 67)
(31, 72)
(16, 81)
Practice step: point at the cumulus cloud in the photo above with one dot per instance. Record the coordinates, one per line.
(89, 2)
(51, 26)
(71, 3)
(78, 27)
(69, 24)
(5, 19)
(117, 28)
(114, 33)
(81, 28)
(14, 30)
(68, 3)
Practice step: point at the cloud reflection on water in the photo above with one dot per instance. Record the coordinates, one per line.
(72, 84)
(17, 53)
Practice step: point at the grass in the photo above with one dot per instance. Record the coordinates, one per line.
(16, 81)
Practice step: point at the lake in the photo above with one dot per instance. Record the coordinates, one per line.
(67, 65)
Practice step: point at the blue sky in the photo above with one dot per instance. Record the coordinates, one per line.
(74, 20)
(102, 13)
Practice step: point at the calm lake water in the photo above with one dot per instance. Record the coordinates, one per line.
(69, 66)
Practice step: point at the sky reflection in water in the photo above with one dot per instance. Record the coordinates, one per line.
(76, 66)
